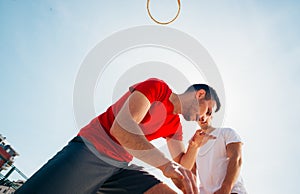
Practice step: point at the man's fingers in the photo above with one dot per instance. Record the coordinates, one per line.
(189, 182)
(188, 188)
(177, 175)
(206, 135)
(194, 183)
(178, 183)
(182, 177)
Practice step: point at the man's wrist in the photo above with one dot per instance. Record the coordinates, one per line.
(164, 167)
(193, 144)
(226, 187)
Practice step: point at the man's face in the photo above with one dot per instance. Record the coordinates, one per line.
(200, 110)
(205, 124)
(206, 110)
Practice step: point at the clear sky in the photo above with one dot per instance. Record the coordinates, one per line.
(255, 45)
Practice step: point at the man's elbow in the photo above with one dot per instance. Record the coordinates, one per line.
(239, 161)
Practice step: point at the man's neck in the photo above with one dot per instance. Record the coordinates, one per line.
(174, 99)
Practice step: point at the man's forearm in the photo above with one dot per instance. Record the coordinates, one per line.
(188, 159)
(233, 170)
(200, 137)
(137, 145)
(142, 149)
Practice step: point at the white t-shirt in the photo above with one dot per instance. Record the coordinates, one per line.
(212, 162)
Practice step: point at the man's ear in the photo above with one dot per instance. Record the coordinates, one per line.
(200, 94)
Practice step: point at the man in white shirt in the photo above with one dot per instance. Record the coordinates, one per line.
(219, 161)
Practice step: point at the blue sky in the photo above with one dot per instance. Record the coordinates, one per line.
(255, 45)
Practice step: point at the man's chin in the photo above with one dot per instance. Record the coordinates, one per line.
(204, 127)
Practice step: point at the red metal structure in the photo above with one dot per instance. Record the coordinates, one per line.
(7, 154)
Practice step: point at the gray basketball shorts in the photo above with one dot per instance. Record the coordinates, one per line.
(79, 169)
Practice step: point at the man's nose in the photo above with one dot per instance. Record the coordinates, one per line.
(203, 119)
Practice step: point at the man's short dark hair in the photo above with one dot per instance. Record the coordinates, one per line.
(211, 93)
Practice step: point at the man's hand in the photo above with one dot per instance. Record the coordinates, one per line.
(200, 138)
(223, 190)
(183, 178)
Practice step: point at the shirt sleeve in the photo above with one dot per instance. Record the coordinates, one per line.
(231, 136)
(153, 89)
(177, 134)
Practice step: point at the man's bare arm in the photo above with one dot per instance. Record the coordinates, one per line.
(127, 131)
(188, 158)
(234, 153)
(177, 151)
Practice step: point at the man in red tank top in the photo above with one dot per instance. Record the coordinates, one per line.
(97, 160)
